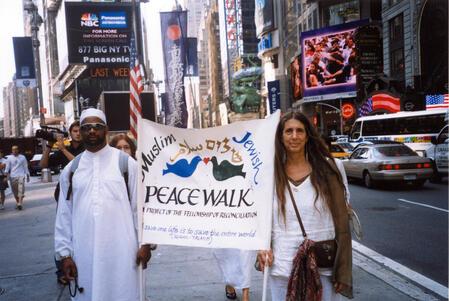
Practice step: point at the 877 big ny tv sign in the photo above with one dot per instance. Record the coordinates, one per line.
(98, 33)
(210, 187)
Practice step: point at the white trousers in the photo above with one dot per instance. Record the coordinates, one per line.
(278, 286)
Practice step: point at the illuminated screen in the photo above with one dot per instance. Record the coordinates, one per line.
(328, 60)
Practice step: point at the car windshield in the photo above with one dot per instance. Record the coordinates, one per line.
(395, 151)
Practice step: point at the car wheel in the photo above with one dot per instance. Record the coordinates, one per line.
(367, 180)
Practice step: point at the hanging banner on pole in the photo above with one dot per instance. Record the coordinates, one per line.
(210, 187)
(174, 37)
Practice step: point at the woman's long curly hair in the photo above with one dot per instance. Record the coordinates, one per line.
(316, 153)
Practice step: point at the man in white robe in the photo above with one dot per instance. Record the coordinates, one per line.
(96, 230)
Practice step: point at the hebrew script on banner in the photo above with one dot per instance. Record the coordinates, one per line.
(208, 187)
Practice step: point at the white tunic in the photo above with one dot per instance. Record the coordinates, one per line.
(98, 227)
(286, 237)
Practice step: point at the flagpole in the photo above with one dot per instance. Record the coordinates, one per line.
(140, 220)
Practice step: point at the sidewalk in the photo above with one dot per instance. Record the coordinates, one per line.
(175, 273)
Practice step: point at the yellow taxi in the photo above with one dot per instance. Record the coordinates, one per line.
(338, 152)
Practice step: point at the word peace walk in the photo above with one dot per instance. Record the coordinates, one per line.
(204, 197)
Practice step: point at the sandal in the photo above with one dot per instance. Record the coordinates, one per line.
(230, 295)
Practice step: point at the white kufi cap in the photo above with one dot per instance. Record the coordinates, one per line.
(91, 112)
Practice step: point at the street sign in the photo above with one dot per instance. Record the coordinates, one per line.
(274, 95)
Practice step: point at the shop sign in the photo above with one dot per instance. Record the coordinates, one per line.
(347, 110)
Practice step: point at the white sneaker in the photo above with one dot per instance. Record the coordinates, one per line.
(2, 207)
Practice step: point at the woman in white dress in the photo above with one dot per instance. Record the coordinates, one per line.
(303, 162)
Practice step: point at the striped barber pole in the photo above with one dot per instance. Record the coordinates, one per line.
(135, 88)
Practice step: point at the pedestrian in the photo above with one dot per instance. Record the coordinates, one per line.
(304, 167)
(96, 221)
(3, 180)
(235, 266)
(62, 157)
(124, 143)
(17, 171)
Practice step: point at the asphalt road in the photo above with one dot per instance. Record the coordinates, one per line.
(411, 234)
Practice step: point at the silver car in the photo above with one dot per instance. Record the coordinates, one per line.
(387, 162)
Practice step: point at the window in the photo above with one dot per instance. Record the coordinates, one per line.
(443, 136)
(355, 132)
(395, 151)
(361, 153)
(342, 13)
(396, 30)
(355, 154)
(427, 124)
(364, 153)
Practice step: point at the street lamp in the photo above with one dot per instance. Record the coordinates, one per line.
(36, 21)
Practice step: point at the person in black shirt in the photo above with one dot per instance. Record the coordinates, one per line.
(65, 154)
(62, 157)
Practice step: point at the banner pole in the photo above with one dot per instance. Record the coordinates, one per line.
(265, 280)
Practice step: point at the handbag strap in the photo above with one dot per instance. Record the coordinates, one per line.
(296, 211)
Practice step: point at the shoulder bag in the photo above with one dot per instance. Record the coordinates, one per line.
(325, 250)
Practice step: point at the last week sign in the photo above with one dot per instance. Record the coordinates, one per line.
(209, 187)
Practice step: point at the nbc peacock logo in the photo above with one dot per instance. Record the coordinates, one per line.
(89, 20)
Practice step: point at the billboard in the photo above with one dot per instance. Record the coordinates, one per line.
(329, 61)
(263, 16)
(24, 59)
(174, 34)
(98, 33)
(234, 30)
(295, 78)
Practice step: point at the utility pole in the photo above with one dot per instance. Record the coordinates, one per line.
(36, 21)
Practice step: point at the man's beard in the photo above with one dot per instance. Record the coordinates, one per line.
(97, 142)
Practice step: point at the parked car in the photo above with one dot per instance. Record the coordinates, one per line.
(35, 168)
(390, 162)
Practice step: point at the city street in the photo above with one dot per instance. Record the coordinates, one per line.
(409, 233)
(180, 273)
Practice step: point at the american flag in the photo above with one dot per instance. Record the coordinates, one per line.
(437, 101)
(366, 108)
(135, 88)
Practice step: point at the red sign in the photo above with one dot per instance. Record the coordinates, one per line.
(347, 110)
(43, 110)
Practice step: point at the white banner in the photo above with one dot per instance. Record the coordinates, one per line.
(207, 188)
